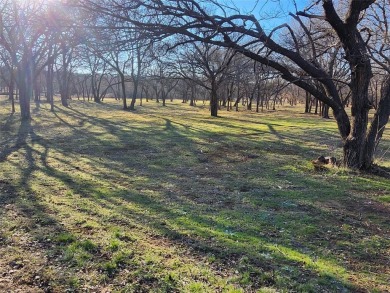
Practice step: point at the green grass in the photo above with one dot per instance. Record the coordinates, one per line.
(168, 199)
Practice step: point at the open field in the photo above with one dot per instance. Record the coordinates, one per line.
(168, 199)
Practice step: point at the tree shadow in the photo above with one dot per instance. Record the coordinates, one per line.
(27, 218)
(24, 131)
(380, 171)
(8, 122)
(250, 241)
(200, 245)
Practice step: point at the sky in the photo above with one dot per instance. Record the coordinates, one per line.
(270, 6)
(271, 12)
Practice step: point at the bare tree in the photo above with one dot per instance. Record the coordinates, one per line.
(23, 34)
(141, 55)
(164, 79)
(208, 66)
(7, 74)
(245, 34)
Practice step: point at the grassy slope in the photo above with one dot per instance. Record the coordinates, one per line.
(169, 199)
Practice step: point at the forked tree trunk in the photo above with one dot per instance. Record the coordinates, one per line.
(361, 73)
(134, 96)
(249, 106)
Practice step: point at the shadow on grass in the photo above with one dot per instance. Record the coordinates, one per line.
(271, 236)
(201, 245)
(27, 219)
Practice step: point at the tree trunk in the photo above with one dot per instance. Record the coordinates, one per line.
(11, 89)
(249, 106)
(163, 97)
(355, 144)
(325, 111)
(25, 84)
(316, 107)
(222, 102)
(37, 91)
(65, 74)
(192, 99)
(25, 94)
(377, 126)
(93, 89)
(307, 102)
(64, 86)
(214, 101)
(49, 85)
(134, 97)
(238, 99)
(237, 102)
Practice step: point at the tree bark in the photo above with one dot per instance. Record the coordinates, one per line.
(25, 82)
(192, 99)
(307, 102)
(355, 144)
(214, 100)
(123, 87)
(11, 89)
(377, 127)
(134, 96)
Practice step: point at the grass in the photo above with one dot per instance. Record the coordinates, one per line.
(168, 199)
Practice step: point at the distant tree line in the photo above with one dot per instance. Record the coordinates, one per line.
(53, 48)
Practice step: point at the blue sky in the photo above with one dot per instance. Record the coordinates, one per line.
(271, 12)
(279, 7)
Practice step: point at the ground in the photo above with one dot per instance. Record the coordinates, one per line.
(168, 199)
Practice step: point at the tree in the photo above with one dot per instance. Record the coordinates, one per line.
(245, 34)
(164, 79)
(64, 71)
(97, 68)
(207, 65)
(378, 35)
(7, 74)
(25, 32)
(140, 50)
